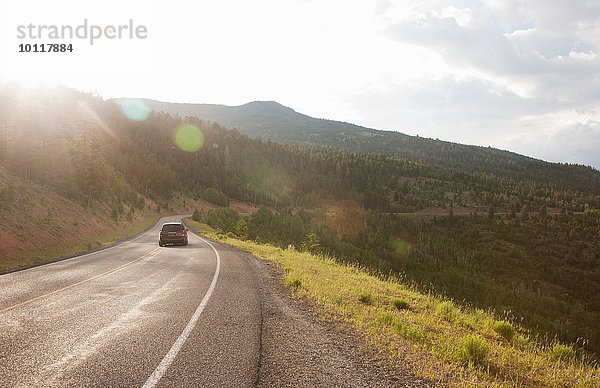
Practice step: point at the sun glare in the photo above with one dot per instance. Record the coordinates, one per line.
(189, 138)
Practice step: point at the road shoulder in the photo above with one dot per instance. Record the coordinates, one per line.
(299, 349)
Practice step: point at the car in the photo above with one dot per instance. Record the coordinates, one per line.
(173, 233)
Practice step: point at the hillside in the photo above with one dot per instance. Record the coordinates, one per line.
(271, 120)
(436, 339)
(36, 231)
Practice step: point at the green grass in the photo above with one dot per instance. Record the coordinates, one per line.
(505, 329)
(199, 227)
(365, 297)
(400, 304)
(410, 333)
(435, 339)
(472, 350)
(292, 281)
(400, 246)
(385, 319)
(447, 311)
(562, 352)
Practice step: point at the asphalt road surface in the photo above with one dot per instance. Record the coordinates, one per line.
(137, 315)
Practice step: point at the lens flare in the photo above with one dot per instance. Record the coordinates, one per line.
(189, 138)
(347, 219)
(134, 110)
(400, 246)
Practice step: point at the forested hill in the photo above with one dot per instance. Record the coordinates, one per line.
(271, 120)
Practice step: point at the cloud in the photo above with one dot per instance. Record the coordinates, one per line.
(548, 14)
(460, 109)
(578, 143)
(547, 49)
(575, 143)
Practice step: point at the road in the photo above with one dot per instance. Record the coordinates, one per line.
(138, 315)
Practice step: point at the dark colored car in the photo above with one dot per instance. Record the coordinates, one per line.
(173, 233)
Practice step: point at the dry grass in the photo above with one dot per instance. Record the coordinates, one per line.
(31, 255)
(434, 338)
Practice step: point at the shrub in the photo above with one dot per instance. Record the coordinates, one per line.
(241, 228)
(522, 340)
(222, 218)
(196, 216)
(400, 304)
(293, 281)
(311, 243)
(365, 298)
(505, 329)
(562, 352)
(447, 311)
(472, 350)
(215, 196)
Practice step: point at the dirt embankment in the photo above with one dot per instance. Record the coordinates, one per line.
(37, 225)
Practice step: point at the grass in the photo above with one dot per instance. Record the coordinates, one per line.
(505, 329)
(292, 281)
(400, 246)
(399, 304)
(365, 297)
(472, 350)
(198, 226)
(410, 333)
(435, 339)
(385, 319)
(447, 311)
(562, 352)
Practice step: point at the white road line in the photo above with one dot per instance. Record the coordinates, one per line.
(172, 354)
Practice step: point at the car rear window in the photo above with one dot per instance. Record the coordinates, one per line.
(171, 227)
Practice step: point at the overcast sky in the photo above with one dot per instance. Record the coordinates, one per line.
(517, 75)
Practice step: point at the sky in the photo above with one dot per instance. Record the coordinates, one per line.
(516, 75)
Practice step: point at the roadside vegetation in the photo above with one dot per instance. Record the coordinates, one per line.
(436, 338)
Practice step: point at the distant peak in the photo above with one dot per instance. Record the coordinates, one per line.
(267, 106)
(274, 103)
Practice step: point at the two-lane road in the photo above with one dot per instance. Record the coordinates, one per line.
(203, 315)
(131, 315)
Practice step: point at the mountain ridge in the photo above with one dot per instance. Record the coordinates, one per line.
(153, 104)
(271, 120)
